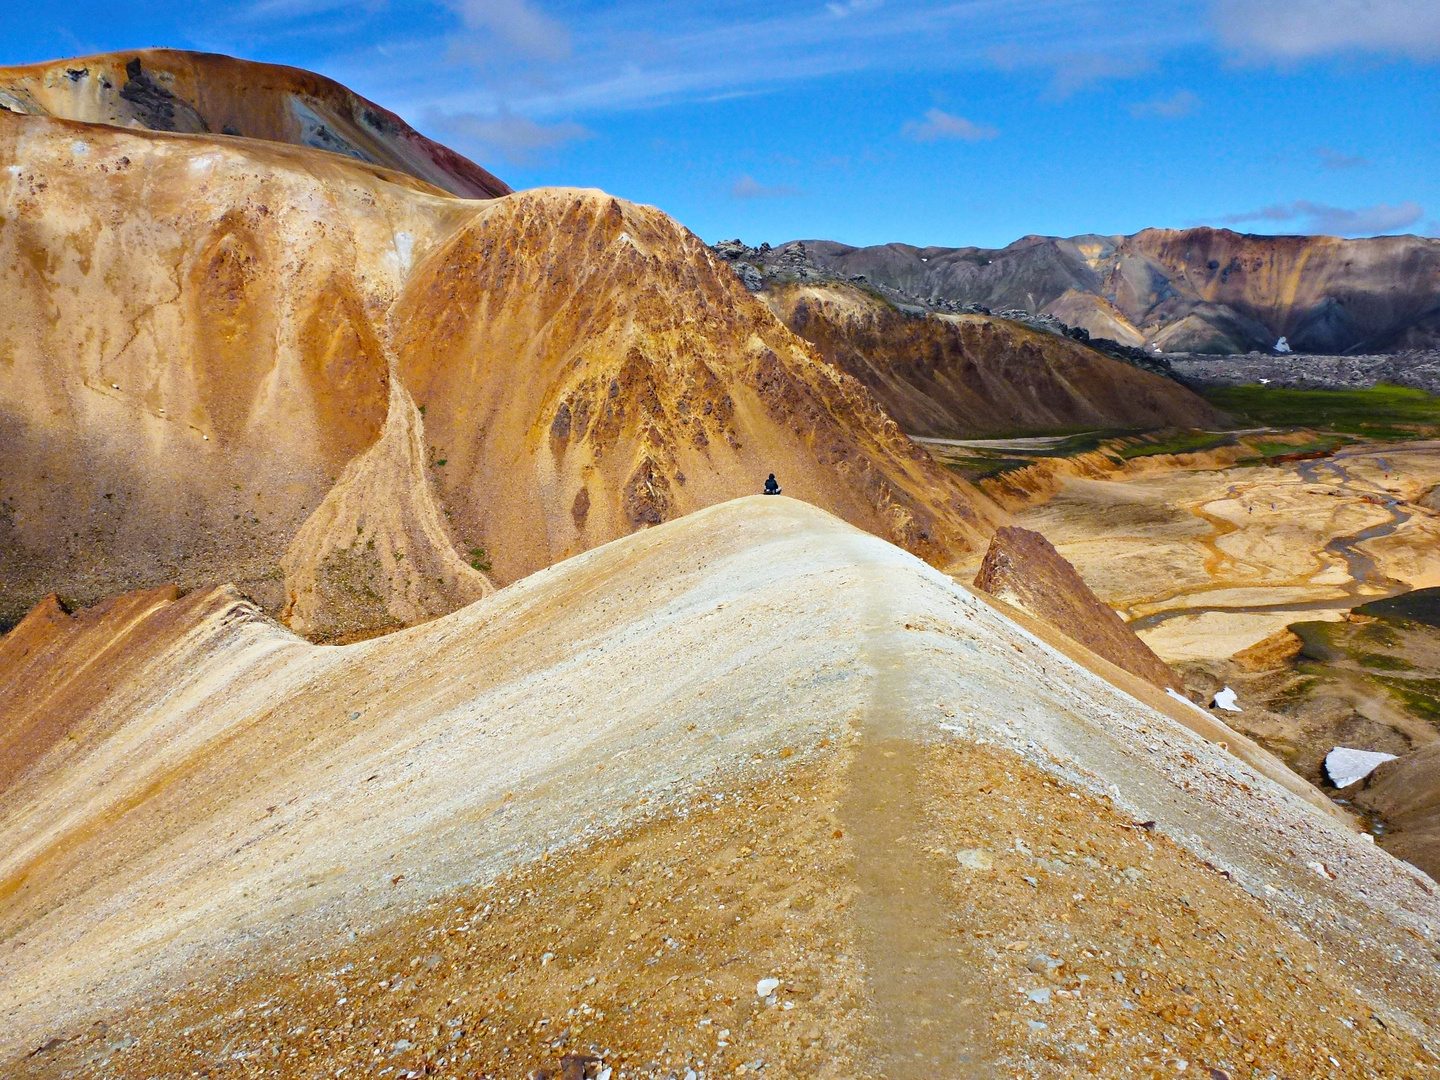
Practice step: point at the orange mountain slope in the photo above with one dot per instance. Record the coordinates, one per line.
(171, 90)
(589, 369)
(959, 376)
(202, 337)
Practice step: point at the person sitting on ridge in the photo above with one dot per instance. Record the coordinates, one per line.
(771, 487)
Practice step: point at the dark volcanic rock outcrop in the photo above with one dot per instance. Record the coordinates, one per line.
(1023, 568)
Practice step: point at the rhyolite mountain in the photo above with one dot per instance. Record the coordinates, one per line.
(960, 376)
(206, 93)
(1194, 290)
(359, 398)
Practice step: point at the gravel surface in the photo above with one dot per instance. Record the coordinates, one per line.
(1420, 370)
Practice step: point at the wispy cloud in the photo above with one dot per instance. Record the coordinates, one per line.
(1181, 103)
(514, 25)
(843, 9)
(1334, 159)
(552, 59)
(939, 125)
(1335, 220)
(1301, 29)
(518, 139)
(747, 187)
(293, 9)
(546, 60)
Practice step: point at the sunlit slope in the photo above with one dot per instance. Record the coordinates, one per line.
(204, 338)
(191, 350)
(242, 786)
(206, 93)
(962, 376)
(1187, 290)
(587, 369)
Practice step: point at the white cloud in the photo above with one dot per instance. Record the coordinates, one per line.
(747, 187)
(1301, 29)
(1181, 103)
(939, 125)
(1336, 220)
(632, 54)
(519, 139)
(513, 25)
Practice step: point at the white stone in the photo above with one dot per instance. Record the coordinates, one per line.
(1345, 766)
(766, 987)
(974, 858)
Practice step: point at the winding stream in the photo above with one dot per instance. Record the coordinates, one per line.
(1365, 576)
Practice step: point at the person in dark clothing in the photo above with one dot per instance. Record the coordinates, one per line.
(771, 487)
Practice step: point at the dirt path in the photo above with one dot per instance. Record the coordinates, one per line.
(923, 981)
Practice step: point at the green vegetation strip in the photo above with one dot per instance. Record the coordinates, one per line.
(1180, 442)
(1419, 697)
(1323, 445)
(985, 468)
(1379, 412)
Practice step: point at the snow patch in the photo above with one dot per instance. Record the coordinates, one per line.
(1345, 766)
(1227, 700)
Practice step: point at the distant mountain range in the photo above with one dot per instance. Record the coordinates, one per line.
(1187, 291)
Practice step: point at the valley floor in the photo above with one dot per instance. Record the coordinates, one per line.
(1205, 562)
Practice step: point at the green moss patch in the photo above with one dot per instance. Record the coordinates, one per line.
(1379, 412)
(1419, 697)
(1383, 662)
(1173, 442)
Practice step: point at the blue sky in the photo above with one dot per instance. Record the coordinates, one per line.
(951, 123)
